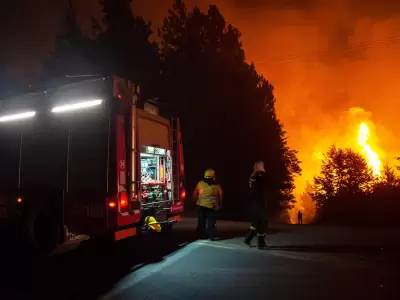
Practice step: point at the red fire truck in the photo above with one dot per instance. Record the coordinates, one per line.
(88, 158)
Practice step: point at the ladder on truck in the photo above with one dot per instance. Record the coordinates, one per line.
(175, 159)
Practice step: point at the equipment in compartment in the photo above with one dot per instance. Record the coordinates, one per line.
(153, 193)
(155, 176)
(150, 168)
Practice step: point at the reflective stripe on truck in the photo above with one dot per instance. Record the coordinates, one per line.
(125, 233)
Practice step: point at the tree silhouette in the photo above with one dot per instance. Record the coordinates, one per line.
(389, 177)
(343, 173)
(388, 184)
(121, 48)
(71, 54)
(226, 107)
(124, 47)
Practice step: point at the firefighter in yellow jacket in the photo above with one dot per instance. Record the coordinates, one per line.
(208, 198)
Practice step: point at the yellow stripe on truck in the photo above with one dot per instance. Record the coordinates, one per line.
(125, 233)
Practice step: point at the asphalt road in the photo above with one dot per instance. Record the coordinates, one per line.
(178, 267)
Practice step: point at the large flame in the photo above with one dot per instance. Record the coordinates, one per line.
(370, 155)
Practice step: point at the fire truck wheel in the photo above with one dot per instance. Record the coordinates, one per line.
(167, 228)
(41, 230)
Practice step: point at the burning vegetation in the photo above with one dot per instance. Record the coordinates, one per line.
(370, 155)
(353, 168)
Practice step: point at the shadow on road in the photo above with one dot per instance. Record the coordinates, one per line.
(95, 267)
(276, 230)
(86, 273)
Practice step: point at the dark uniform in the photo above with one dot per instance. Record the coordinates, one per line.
(300, 217)
(257, 183)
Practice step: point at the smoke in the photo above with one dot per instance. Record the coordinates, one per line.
(326, 60)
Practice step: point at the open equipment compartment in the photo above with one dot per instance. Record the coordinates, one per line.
(155, 175)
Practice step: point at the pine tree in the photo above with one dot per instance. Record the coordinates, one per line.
(226, 107)
(71, 54)
(124, 47)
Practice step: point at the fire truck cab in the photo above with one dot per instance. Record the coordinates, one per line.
(88, 158)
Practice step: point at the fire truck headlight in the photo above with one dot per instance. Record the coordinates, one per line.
(76, 106)
(19, 116)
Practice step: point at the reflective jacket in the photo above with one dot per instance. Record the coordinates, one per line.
(208, 195)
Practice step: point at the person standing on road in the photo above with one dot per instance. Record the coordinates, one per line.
(257, 183)
(208, 198)
(300, 217)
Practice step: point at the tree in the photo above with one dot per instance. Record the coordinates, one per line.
(124, 47)
(388, 184)
(72, 53)
(389, 177)
(227, 109)
(343, 173)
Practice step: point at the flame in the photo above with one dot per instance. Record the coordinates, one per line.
(370, 155)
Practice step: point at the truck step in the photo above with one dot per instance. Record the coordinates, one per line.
(73, 238)
(71, 242)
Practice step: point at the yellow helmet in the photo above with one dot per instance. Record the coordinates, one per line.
(209, 173)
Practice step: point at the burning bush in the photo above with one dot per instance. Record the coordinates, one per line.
(352, 190)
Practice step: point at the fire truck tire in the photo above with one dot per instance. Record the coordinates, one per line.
(41, 230)
(167, 228)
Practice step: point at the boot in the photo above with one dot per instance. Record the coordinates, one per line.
(261, 241)
(249, 237)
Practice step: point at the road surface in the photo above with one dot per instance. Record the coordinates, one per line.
(179, 267)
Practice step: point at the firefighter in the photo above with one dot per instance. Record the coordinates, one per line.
(208, 198)
(300, 217)
(257, 183)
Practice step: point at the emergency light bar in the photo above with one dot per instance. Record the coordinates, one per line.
(19, 116)
(76, 106)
